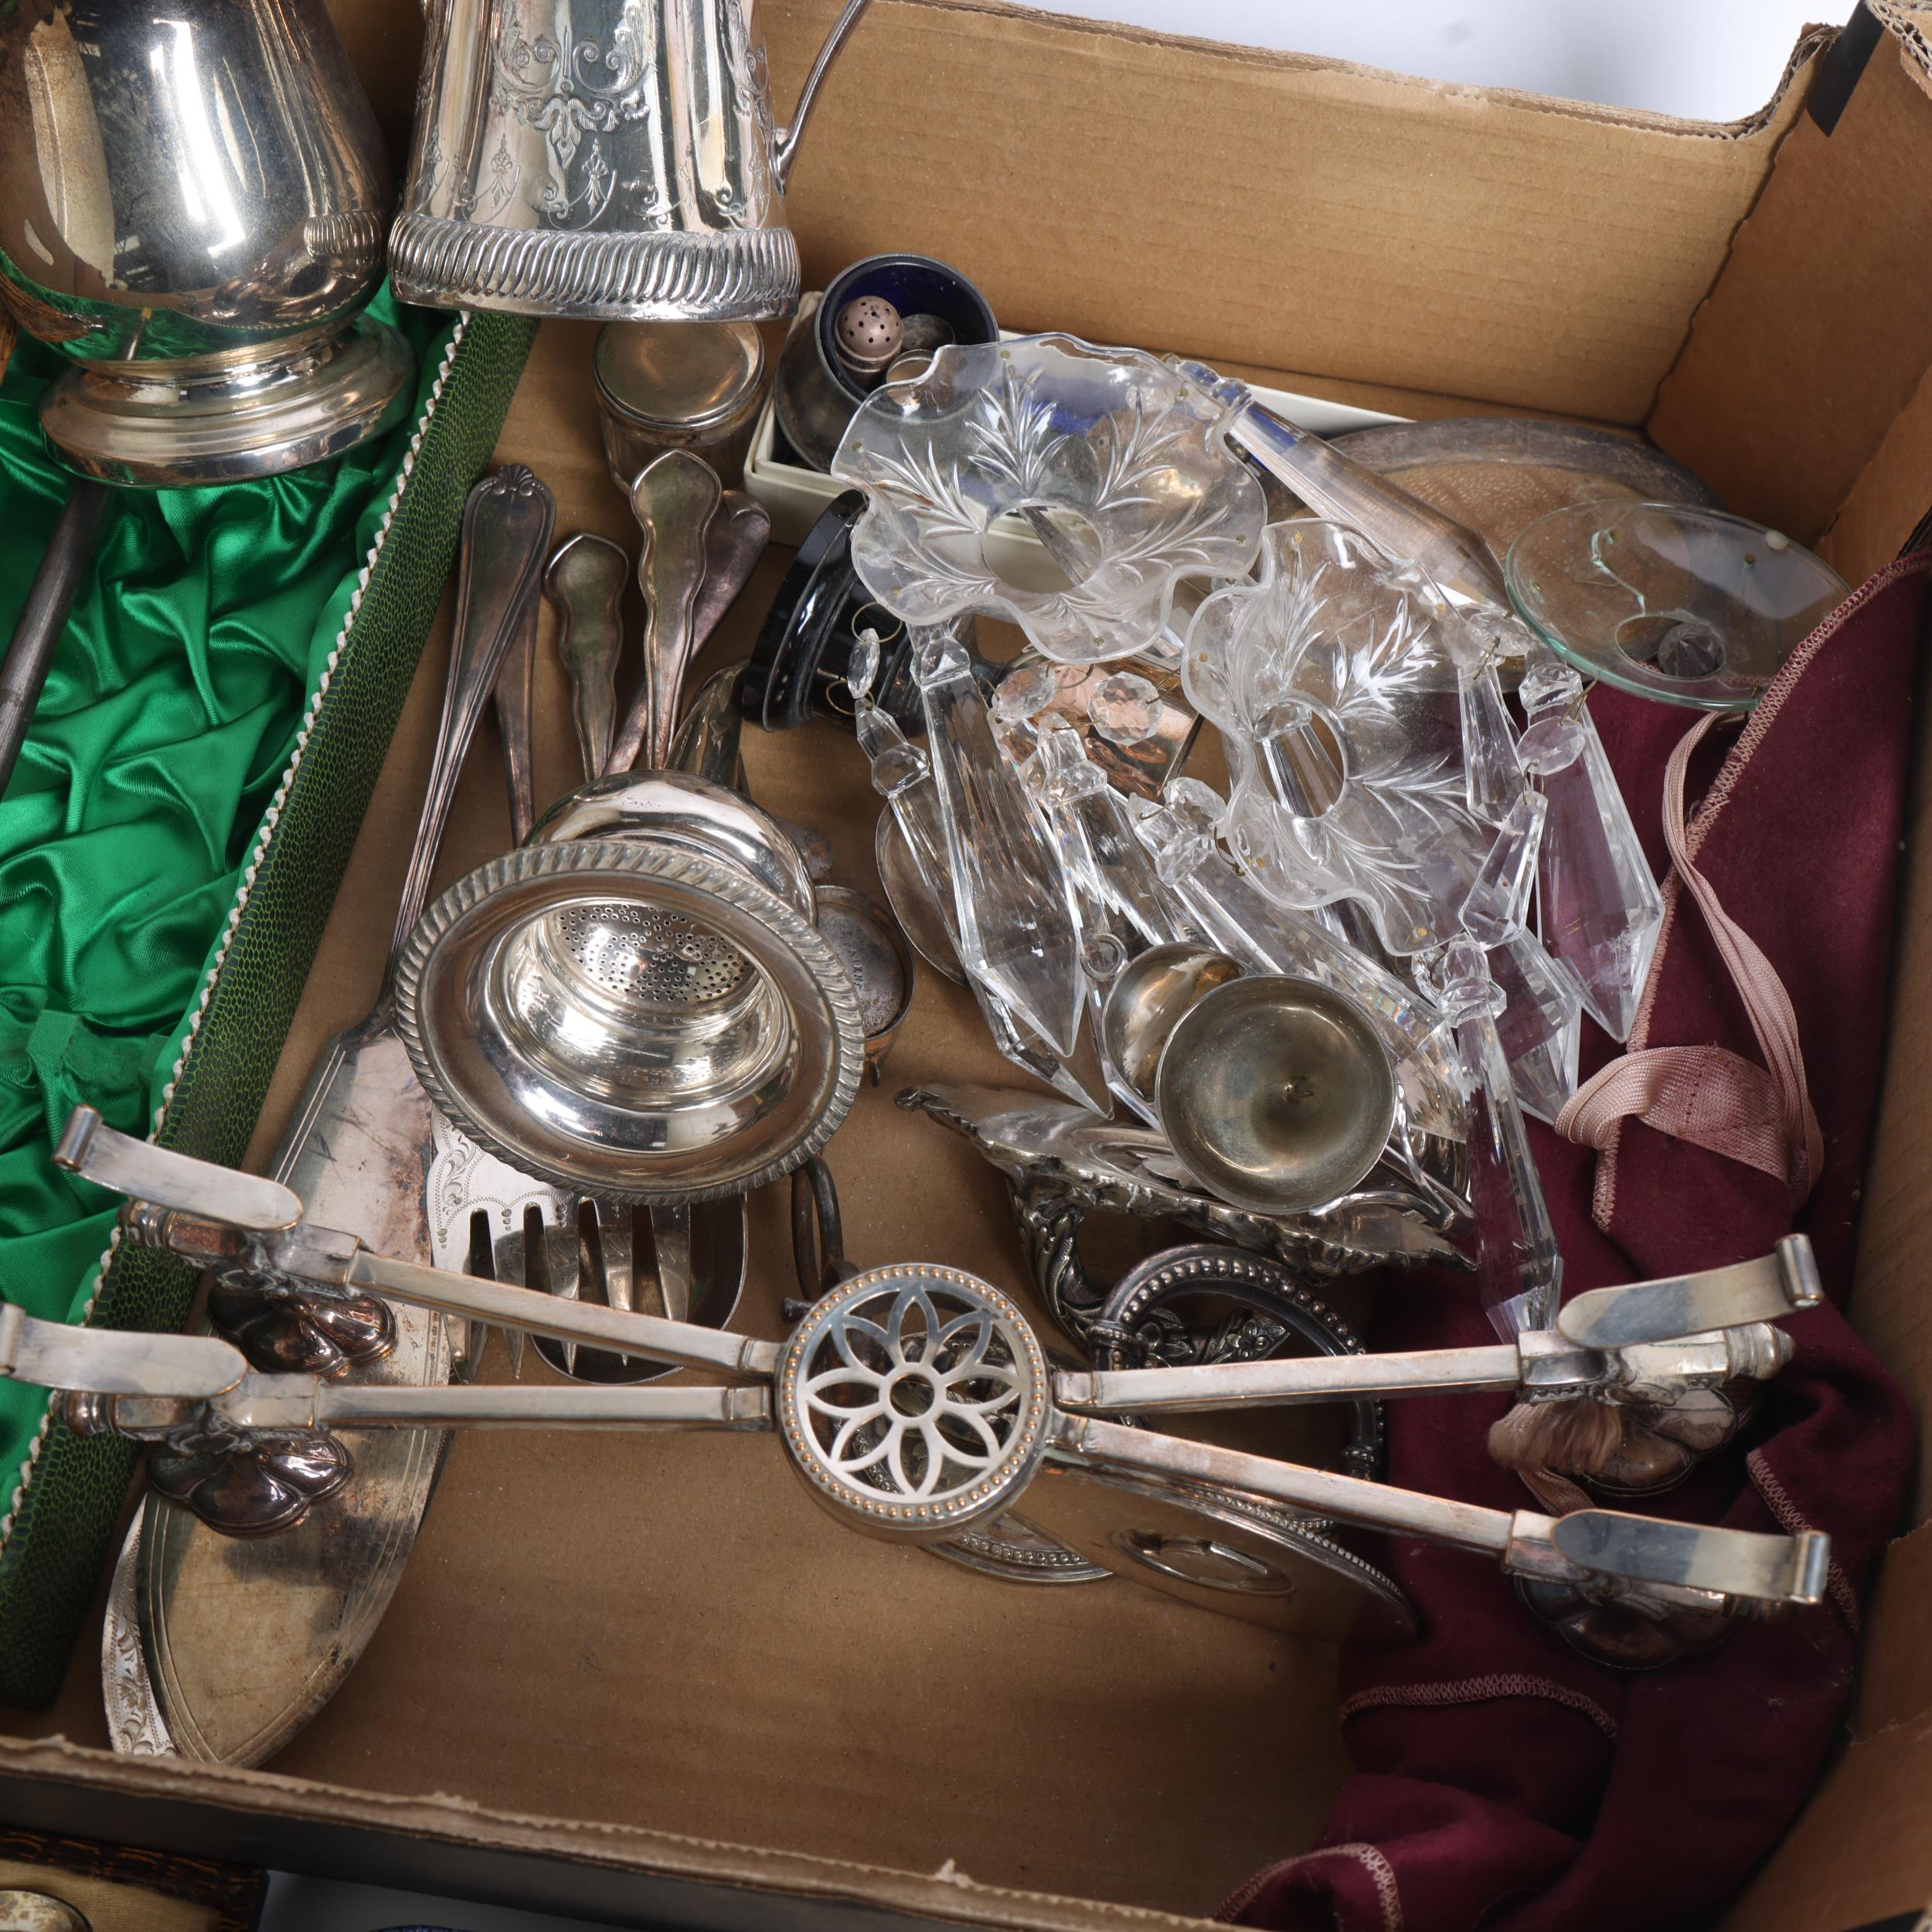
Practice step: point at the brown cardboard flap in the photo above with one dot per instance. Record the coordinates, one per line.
(1860, 1852)
(1911, 22)
(1269, 209)
(1895, 1671)
(1890, 499)
(1890, 1306)
(941, 1894)
(1814, 338)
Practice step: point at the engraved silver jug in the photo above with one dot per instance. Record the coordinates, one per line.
(192, 203)
(610, 159)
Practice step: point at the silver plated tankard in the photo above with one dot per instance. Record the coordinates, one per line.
(610, 159)
(193, 200)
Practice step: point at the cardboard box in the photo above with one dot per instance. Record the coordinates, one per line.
(642, 1678)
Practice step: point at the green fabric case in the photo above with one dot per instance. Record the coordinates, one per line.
(170, 847)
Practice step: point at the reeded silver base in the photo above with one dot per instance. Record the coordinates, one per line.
(731, 275)
(187, 425)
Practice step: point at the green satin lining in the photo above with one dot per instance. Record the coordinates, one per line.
(167, 719)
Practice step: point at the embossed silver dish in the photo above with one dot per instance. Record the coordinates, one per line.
(1221, 1551)
(609, 159)
(1013, 1550)
(640, 1022)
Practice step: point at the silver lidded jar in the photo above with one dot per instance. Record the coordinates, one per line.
(821, 382)
(678, 386)
(192, 200)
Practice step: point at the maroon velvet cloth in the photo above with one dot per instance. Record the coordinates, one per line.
(1502, 1780)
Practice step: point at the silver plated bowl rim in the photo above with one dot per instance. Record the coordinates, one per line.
(622, 859)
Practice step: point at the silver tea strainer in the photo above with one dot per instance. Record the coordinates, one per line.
(646, 1020)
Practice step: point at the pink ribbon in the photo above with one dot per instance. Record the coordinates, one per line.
(1761, 1116)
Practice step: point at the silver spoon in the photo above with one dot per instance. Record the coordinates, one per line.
(585, 581)
(737, 538)
(674, 499)
(515, 702)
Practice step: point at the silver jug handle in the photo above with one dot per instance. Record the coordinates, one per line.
(784, 143)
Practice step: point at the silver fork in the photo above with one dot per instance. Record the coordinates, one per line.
(587, 1244)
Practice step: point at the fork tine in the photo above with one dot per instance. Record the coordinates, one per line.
(671, 1239)
(564, 1259)
(476, 1335)
(505, 1257)
(620, 1258)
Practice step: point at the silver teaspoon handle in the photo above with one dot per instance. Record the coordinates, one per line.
(674, 499)
(515, 701)
(585, 581)
(506, 530)
(737, 538)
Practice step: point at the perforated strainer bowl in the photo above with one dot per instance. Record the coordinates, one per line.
(640, 1023)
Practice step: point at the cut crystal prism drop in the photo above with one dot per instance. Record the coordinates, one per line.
(1494, 776)
(1542, 1026)
(1123, 905)
(1518, 1267)
(1111, 867)
(901, 774)
(1598, 908)
(1498, 902)
(1028, 1052)
(1019, 932)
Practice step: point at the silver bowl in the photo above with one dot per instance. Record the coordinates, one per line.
(1276, 1094)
